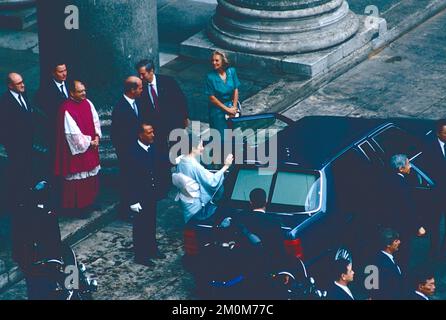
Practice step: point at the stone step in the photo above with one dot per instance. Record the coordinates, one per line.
(18, 19)
(2, 266)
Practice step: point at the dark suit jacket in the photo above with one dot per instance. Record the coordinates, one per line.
(401, 208)
(16, 128)
(49, 99)
(434, 163)
(334, 292)
(141, 180)
(124, 127)
(415, 296)
(16, 132)
(270, 233)
(391, 282)
(172, 106)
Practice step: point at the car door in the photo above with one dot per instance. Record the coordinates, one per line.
(250, 134)
(423, 189)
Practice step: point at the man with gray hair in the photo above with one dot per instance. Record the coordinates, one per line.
(402, 213)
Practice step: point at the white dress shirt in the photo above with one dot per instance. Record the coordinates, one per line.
(346, 289)
(391, 258)
(442, 146)
(146, 148)
(421, 295)
(58, 84)
(132, 103)
(16, 96)
(154, 86)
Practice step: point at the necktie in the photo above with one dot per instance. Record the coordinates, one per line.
(154, 97)
(444, 150)
(135, 108)
(397, 266)
(22, 102)
(62, 91)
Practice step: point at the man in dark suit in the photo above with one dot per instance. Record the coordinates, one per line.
(126, 117)
(390, 274)
(16, 132)
(162, 101)
(142, 185)
(434, 162)
(265, 242)
(164, 105)
(424, 284)
(402, 215)
(50, 96)
(343, 275)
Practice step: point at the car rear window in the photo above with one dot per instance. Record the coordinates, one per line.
(288, 191)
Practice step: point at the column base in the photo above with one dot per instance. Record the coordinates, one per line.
(17, 14)
(306, 64)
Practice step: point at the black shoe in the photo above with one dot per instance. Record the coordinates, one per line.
(158, 255)
(145, 262)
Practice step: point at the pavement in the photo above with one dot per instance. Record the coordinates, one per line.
(406, 78)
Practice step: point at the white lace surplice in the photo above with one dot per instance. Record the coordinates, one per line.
(79, 143)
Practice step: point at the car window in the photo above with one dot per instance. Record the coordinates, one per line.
(298, 194)
(422, 178)
(370, 153)
(247, 180)
(394, 140)
(289, 191)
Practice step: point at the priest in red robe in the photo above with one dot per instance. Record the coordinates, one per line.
(77, 155)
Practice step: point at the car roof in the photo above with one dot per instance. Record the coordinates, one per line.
(315, 140)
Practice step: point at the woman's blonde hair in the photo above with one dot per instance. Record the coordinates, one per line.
(223, 56)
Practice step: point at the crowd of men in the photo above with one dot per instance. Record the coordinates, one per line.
(150, 106)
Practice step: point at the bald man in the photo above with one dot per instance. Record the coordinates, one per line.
(126, 118)
(17, 136)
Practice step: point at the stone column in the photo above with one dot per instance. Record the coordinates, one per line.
(17, 14)
(15, 4)
(282, 26)
(112, 36)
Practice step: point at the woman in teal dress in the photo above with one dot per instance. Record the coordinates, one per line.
(222, 89)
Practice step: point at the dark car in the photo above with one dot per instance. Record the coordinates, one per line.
(329, 187)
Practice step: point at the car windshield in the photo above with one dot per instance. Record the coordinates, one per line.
(289, 191)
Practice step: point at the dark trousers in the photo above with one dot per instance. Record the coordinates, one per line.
(438, 245)
(144, 231)
(39, 288)
(19, 180)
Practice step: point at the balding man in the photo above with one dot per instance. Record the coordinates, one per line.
(17, 136)
(126, 118)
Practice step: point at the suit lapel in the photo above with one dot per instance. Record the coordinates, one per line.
(438, 150)
(130, 107)
(17, 104)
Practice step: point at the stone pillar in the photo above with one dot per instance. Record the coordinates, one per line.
(15, 4)
(17, 14)
(282, 26)
(112, 36)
